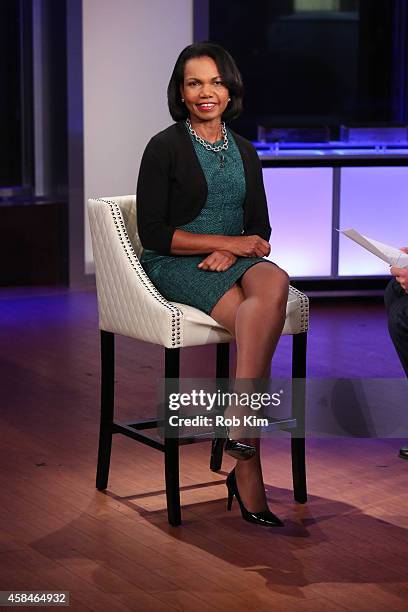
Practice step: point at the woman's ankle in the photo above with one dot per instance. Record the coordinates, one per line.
(251, 490)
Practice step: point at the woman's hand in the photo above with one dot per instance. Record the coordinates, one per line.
(218, 261)
(248, 246)
(404, 250)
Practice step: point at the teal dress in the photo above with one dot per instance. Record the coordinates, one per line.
(176, 276)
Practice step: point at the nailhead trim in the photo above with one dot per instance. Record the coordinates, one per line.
(304, 308)
(138, 268)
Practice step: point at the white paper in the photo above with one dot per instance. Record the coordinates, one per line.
(389, 254)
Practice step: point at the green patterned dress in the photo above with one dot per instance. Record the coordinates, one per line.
(176, 276)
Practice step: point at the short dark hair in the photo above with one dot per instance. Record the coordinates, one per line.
(228, 71)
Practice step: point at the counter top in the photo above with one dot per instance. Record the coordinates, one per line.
(332, 153)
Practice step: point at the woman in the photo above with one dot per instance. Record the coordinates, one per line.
(203, 222)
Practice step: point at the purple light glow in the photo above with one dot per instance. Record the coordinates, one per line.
(374, 201)
(300, 211)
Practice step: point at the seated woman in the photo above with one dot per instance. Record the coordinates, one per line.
(203, 223)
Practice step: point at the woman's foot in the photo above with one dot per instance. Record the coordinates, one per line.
(237, 444)
(250, 484)
(239, 450)
(263, 517)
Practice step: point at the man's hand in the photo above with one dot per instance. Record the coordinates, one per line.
(401, 275)
(218, 261)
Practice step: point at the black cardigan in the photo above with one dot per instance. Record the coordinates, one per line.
(172, 189)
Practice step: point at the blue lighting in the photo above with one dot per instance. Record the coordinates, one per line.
(328, 149)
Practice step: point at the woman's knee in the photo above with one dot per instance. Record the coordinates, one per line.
(276, 288)
(265, 278)
(283, 280)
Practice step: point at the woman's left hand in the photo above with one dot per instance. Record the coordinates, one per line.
(218, 261)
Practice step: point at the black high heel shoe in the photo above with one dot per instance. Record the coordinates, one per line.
(266, 517)
(234, 448)
(239, 450)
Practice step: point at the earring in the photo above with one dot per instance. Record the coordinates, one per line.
(229, 99)
(182, 99)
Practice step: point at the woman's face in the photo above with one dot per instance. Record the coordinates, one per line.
(203, 90)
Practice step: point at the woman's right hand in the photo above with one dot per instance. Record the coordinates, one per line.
(248, 246)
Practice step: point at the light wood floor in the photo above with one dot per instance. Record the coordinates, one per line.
(347, 549)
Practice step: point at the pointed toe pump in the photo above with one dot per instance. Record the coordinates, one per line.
(239, 450)
(236, 449)
(266, 517)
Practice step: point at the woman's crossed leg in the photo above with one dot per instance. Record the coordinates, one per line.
(254, 311)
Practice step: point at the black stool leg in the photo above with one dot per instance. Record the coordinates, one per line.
(107, 407)
(222, 372)
(298, 412)
(171, 445)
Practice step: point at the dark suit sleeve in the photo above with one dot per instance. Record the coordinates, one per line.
(258, 221)
(152, 197)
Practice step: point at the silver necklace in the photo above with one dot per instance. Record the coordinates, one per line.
(207, 145)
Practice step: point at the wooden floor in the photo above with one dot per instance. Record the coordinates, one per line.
(347, 549)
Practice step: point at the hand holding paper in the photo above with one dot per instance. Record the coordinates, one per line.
(401, 276)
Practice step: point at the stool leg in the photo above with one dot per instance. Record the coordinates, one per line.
(171, 467)
(171, 445)
(217, 448)
(298, 412)
(222, 372)
(107, 407)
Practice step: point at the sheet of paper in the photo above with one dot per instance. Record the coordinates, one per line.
(389, 254)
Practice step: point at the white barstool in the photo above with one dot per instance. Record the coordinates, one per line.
(130, 305)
